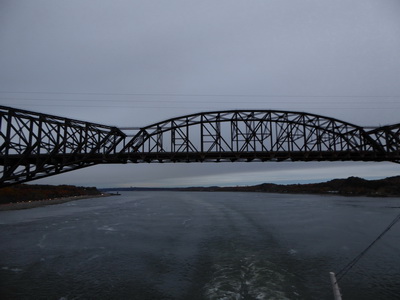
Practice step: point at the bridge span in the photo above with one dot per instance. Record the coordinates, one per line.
(35, 145)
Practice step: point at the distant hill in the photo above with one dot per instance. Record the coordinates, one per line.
(352, 186)
(27, 192)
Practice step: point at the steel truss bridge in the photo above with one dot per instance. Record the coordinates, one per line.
(35, 145)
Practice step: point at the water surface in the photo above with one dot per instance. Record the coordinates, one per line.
(200, 245)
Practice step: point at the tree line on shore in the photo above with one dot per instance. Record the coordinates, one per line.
(352, 186)
(26, 193)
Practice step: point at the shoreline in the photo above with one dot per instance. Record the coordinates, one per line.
(45, 202)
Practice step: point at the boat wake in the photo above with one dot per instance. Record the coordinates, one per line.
(247, 279)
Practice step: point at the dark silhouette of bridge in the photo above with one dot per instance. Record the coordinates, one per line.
(35, 145)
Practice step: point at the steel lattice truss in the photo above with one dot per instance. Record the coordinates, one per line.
(35, 145)
(388, 137)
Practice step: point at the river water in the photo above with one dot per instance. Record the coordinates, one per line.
(200, 245)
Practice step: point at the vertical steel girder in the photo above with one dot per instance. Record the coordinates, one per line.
(34, 145)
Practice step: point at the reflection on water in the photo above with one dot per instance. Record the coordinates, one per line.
(178, 245)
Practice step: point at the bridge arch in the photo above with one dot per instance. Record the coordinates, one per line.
(251, 135)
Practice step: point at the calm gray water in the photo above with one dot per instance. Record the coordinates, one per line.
(193, 245)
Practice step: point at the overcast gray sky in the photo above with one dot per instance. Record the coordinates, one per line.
(133, 63)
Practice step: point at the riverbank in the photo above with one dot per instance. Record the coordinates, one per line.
(45, 202)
